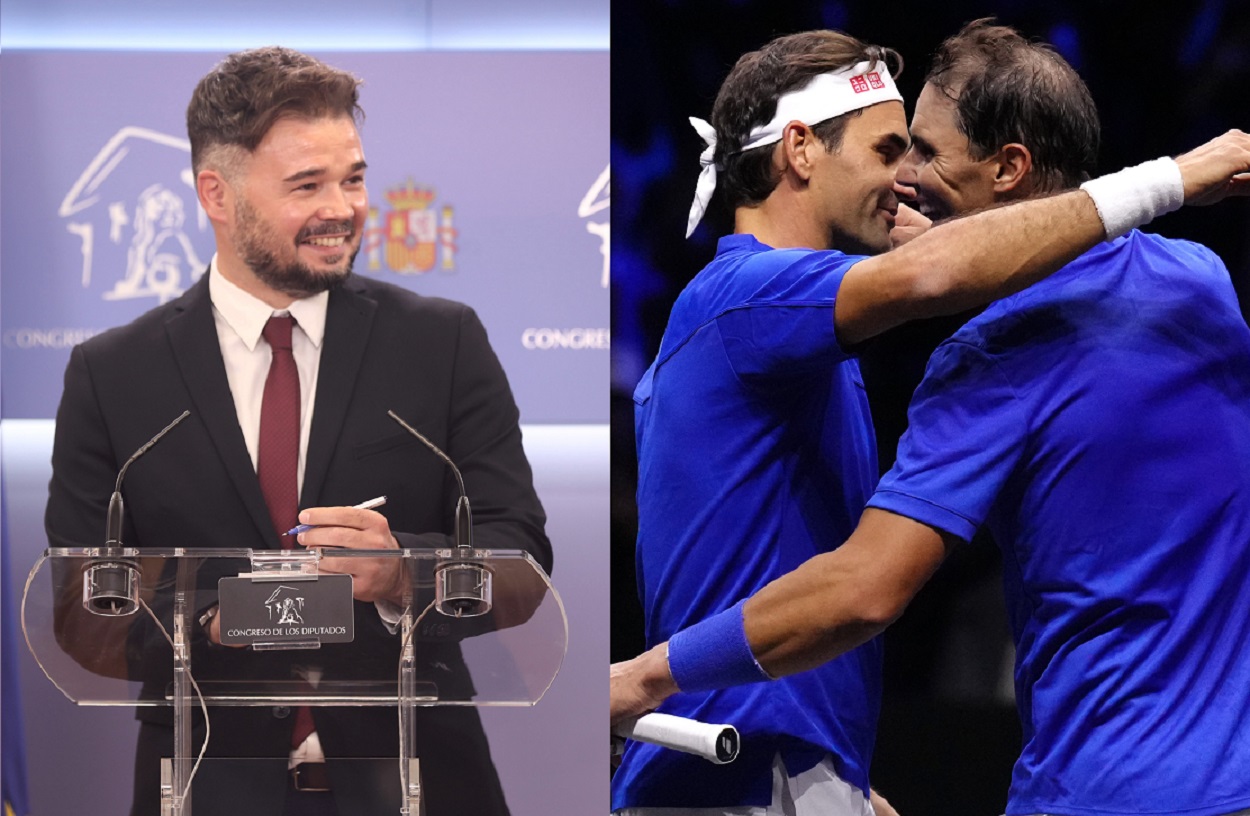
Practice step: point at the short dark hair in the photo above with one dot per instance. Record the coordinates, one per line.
(1009, 89)
(748, 98)
(237, 103)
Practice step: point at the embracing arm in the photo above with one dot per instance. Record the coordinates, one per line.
(839, 600)
(829, 605)
(971, 261)
(965, 263)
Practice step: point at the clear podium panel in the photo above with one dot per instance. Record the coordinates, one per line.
(113, 627)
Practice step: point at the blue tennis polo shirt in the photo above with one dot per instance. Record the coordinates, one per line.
(1099, 423)
(755, 453)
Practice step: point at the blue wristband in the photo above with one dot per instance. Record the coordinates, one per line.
(714, 654)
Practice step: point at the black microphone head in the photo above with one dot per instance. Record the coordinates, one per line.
(113, 527)
(464, 524)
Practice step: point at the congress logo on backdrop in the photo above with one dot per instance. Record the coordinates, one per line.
(413, 235)
(580, 338)
(597, 199)
(135, 215)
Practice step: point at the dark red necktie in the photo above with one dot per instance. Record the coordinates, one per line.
(277, 462)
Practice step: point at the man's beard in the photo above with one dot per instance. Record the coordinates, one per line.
(294, 278)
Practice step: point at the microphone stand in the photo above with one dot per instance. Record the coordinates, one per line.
(462, 586)
(110, 584)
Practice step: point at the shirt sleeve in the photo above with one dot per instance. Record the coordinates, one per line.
(786, 327)
(965, 435)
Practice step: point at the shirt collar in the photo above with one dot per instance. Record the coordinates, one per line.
(738, 241)
(247, 314)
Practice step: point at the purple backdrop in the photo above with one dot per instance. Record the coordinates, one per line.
(100, 224)
(487, 177)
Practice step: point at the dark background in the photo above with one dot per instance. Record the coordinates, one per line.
(1165, 77)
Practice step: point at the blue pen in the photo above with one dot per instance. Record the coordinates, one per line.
(366, 505)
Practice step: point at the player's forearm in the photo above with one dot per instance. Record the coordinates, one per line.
(972, 261)
(992, 254)
(819, 611)
(795, 623)
(828, 605)
(836, 601)
(965, 263)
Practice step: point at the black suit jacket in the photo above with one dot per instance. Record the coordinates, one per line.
(385, 348)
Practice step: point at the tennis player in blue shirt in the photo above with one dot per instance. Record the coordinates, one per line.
(1098, 422)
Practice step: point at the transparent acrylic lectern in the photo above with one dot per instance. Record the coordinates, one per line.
(90, 617)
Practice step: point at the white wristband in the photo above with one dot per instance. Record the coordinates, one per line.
(1136, 195)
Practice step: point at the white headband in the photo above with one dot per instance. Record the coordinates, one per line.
(824, 97)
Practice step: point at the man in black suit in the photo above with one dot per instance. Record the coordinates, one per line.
(280, 172)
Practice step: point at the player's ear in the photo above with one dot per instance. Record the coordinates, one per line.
(1013, 164)
(798, 141)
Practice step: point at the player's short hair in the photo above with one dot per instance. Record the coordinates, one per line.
(748, 98)
(1008, 89)
(236, 103)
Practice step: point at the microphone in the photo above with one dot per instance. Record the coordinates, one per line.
(111, 587)
(113, 534)
(463, 588)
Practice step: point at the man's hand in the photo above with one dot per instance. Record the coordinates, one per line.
(349, 528)
(1220, 168)
(879, 804)
(639, 685)
(908, 224)
(214, 634)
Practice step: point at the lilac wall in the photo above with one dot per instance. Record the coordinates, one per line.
(100, 224)
(504, 154)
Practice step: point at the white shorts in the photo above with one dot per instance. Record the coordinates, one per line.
(815, 792)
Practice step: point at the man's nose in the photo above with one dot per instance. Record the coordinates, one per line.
(336, 205)
(904, 191)
(906, 173)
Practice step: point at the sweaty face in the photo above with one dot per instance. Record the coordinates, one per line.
(939, 167)
(854, 184)
(300, 210)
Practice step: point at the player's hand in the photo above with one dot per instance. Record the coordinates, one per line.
(879, 804)
(1217, 169)
(639, 685)
(351, 528)
(908, 224)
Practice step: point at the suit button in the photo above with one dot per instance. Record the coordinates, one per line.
(281, 712)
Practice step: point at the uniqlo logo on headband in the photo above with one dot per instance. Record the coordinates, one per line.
(874, 79)
(859, 84)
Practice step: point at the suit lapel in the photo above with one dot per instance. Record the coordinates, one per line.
(349, 317)
(193, 335)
